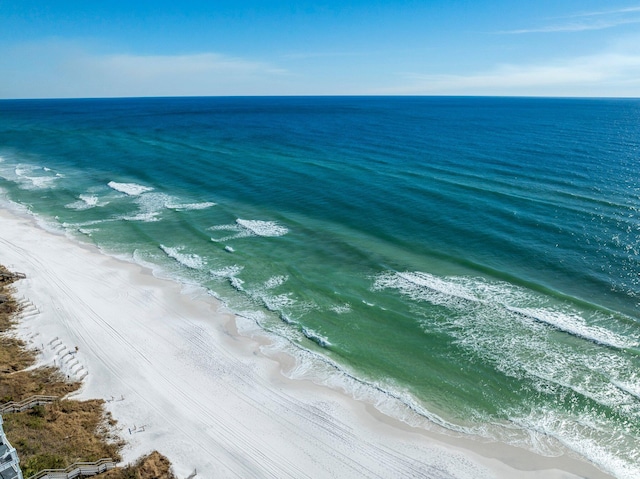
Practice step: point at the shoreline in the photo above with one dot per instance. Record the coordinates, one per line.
(205, 395)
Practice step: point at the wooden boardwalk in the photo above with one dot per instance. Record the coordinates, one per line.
(25, 404)
(79, 469)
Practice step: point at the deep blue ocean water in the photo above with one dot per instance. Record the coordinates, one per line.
(474, 261)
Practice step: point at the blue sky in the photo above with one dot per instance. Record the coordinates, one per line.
(55, 48)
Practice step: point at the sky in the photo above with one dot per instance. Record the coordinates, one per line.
(91, 48)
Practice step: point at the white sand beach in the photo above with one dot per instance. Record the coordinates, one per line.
(178, 378)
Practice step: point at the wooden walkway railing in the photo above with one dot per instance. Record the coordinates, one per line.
(76, 470)
(25, 404)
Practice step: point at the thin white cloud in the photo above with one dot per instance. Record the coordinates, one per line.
(595, 20)
(608, 12)
(158, 66)
(307, 55)
(574, 26)
(63, 69)
(610, 74)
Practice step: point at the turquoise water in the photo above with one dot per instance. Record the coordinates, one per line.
(476, 260)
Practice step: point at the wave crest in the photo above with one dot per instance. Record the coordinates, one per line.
(130, 189)
(248, 228)
(190, 260)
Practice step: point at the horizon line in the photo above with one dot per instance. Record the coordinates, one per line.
(337, 95)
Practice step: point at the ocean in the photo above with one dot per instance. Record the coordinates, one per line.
(469, 264)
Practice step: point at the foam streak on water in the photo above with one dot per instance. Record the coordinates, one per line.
(131, 189)
(189, 260)
(191, 206)
(247, 228)
(449, 292)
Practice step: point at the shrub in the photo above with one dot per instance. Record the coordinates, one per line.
(37, 463)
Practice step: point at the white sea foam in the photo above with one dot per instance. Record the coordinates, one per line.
(551, 368)
(89, 200)
(228, 271)
(86, 202)
(229, 237)
(317, 338)
(341, 308)
(190, 260)
(277, 302)
(263, 228)
(42, 182)
(275, 281)
(273, 302)
(22, 170)
(439, 285)
(143, 217)
(424, 287)
(28, 177)
(575, 325)
(288, 319)
(190, 206)
(150, 207)
(247, 228)
(87, 223)
(131, 189)
(632, 388)
(236, 283)
(152, 201)
(474, 291)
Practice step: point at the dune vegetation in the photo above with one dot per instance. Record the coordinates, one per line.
(65, 431)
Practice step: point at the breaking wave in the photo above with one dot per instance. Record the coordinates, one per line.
(190, 260)
(86, 202)
(247, 228)
(130, 189)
